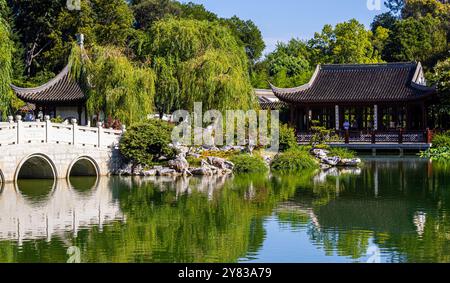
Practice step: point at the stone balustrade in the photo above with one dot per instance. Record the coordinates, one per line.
(20, 132)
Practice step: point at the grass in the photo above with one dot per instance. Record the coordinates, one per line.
(246, 163)
(343, 153)
(294, 160)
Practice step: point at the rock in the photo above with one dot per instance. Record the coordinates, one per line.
(181, 150)
(202, 171)
(229, 165)
(137, 170)
(148, 173)
(333, 161)
(167, 172)
(180, 164)
(350, 162)
(320, 153)
(217, 162)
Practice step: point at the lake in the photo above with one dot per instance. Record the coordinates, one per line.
(389, 210)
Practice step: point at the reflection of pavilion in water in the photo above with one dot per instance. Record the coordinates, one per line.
(64, 210)
(375, 200)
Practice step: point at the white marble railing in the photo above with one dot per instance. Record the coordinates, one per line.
(19, 132)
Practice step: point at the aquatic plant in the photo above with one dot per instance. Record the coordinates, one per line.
(246, 163)
(294, 160)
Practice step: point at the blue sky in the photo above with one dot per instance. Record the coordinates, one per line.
(281, 20)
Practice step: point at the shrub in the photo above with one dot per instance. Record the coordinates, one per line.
(294, 160)
(343, 153)
(288, 139)
(144, 143)
(248, 164)
(441, 140)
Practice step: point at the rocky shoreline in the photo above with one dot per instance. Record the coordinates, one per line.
(212, 166)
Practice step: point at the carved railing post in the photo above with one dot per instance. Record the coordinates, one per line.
(48, 126)
(74, 131)
(400, 136)
(99, 129)
(19, 128)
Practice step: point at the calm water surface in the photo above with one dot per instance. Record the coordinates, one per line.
(390, 210)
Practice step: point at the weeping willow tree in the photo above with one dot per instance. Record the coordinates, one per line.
(6, 49)
(218, 80)
(198, 61)
(115, 86)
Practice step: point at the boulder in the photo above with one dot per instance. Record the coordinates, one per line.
(229, 165)
(167, 172)
(180, 164)
(333, 161)
(148, 173)
(217, 162)
(350, 162)
(320, 153)
(202, 171)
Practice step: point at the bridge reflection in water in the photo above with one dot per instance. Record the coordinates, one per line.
(42, 209)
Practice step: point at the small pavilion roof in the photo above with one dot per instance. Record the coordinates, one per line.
(390, 82)
(61, 90)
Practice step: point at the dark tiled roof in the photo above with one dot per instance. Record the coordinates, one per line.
(392, 82)
(277, 105)
(62, 90)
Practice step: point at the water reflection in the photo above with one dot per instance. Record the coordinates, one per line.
(399, 207)
(43, 209)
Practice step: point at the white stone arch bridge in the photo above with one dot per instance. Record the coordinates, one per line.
(45, 150)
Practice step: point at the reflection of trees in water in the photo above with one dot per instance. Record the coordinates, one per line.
(402, 206)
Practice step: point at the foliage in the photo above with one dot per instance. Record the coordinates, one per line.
(343, 153)
(294, 160)
(320, 134)
(47, 29)
(118, 88)
(58, 119)
(144, 143)
(245, 163)
(441, 140)
(287, 138)
(6, 51)
(441, 78)
(438, 154)
(202, 62)
(249, 36)
(417, 40)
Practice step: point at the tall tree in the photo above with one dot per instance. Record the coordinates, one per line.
(348, 42)
(209, 65)
(249, 35)
(6, 50)
(117, 87)
(148, 12)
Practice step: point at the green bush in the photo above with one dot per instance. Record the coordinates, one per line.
(248, 164)
(144, 143)
(343, 153)
(441, 140)
(294, 160)
(288, 139)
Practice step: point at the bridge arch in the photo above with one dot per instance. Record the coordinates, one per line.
(83, 166)
(36, 166)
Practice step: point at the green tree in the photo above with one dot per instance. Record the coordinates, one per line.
(148, 12)
(421, 39)
(6, 51)
(209, 64)
(249, 35)
(144, 143)
(117, 87)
